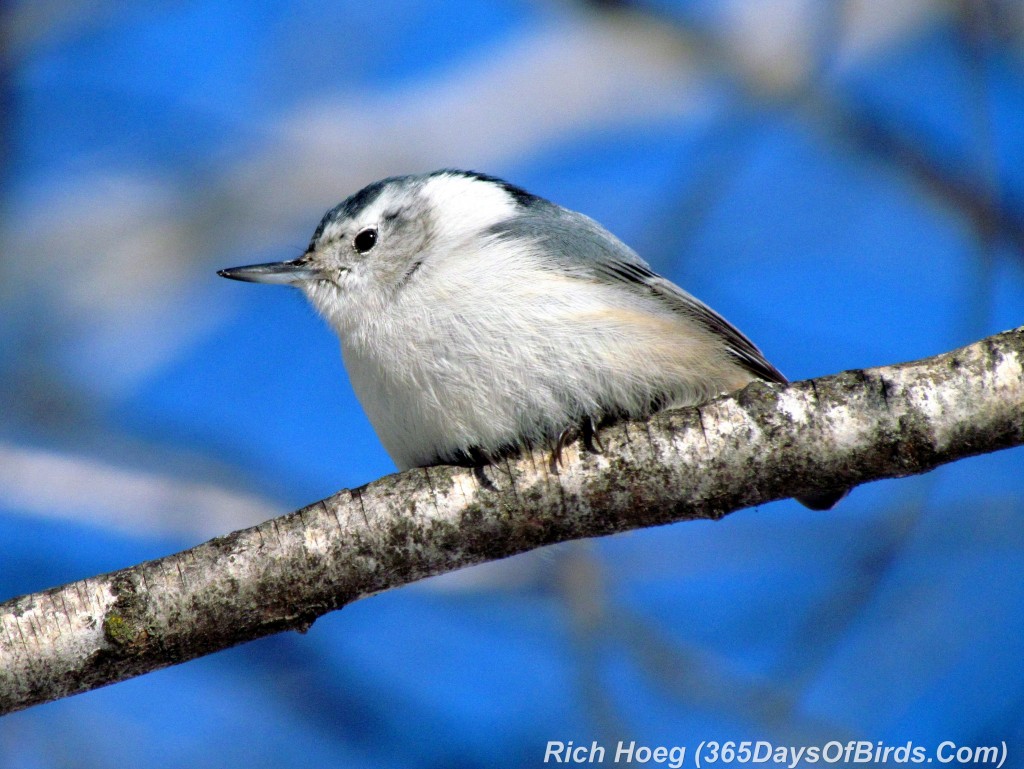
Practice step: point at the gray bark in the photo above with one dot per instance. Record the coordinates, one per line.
(760, 444)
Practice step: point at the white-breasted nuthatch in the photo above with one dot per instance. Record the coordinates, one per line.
(475, 317)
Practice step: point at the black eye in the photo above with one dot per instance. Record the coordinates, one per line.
(365, 240)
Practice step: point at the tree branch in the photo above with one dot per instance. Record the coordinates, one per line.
(763, 443)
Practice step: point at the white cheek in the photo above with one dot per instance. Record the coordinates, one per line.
(334, 300)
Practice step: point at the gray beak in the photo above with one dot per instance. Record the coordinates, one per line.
(284, 273)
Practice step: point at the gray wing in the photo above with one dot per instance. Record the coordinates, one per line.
(584, 247)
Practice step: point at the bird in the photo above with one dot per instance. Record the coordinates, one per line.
(476, 318)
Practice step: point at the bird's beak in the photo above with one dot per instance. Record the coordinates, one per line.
(285, 273)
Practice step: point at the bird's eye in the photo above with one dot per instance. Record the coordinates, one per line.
(365, 240)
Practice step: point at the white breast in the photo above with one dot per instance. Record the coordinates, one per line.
(491, 351)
